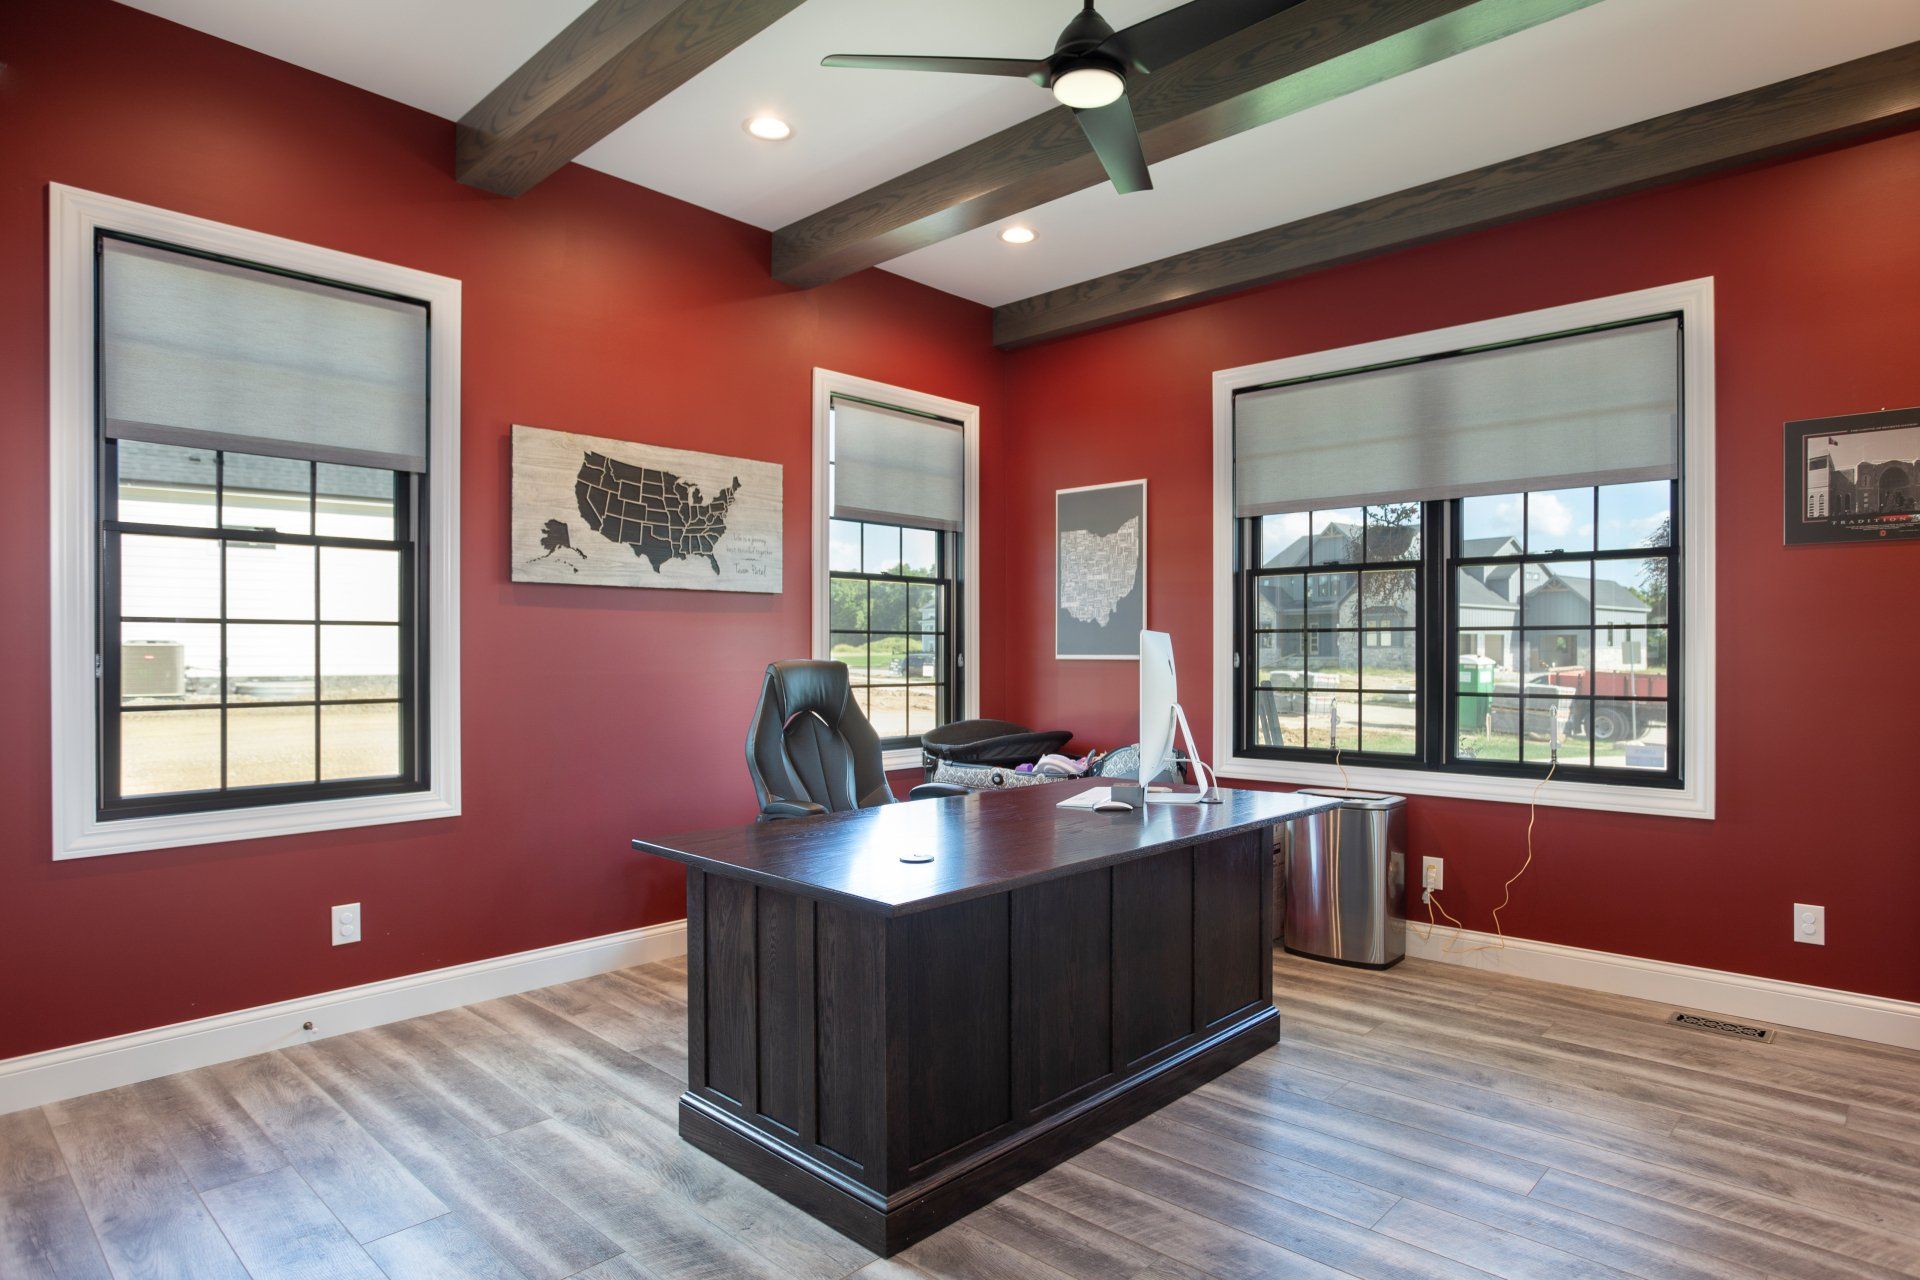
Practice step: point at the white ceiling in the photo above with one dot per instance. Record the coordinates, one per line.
(1603, 66)
(851, 129)
(1595, 69)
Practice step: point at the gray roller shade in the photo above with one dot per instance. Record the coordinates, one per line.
(216, 356)
(1590, 408)
(897, 467)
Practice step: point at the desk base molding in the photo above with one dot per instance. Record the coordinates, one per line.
(888, 1225)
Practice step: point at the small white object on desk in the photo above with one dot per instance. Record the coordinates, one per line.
(1098, 798)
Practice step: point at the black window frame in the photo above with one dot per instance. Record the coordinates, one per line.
(1671, 776)
(1248, 633)
(410, 542)
(946, 580)
(1437, 639)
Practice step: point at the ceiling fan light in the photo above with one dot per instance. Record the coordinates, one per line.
(1085, 88)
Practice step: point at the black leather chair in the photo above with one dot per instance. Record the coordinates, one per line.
(811, 750)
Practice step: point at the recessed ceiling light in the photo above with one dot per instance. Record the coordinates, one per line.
(769, 128)
(1017, 235)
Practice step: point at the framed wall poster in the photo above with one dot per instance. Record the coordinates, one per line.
(1100, 570)
(589, 511)
(1854, 478)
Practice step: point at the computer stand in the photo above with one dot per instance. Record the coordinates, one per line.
(1208, 793)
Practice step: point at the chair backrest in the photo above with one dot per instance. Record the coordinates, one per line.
(810, 741)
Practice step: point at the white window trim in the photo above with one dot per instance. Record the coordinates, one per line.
(826, 385)
(73, 217)
(1693, 300)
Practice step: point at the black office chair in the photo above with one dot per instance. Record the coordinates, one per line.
(810, 749)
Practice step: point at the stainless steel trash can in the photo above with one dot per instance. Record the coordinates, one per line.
(1347, 881)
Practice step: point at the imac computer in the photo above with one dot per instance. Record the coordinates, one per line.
(1160, 716)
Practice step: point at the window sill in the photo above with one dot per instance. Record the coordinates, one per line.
(94, 838)
(1687, 802)
(900, 759)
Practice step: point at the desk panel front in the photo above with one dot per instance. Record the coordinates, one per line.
(891, 1065)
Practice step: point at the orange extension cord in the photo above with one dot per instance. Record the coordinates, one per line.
(1506, 890)
(1432, 896)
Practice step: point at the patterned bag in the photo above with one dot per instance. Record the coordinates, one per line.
(986, 777)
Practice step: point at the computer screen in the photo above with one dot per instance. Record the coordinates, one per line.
(1159, 691)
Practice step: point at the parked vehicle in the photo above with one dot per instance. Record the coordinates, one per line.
(914, 666)
(1614, 721)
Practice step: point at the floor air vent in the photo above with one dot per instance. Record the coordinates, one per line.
(1738, 1030)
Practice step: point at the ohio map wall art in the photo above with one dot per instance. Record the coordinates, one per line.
(1100, 570)
(589, 511)
(1853, 479)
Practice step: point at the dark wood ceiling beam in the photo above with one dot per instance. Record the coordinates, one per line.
(1313, 52)
(610, 64)
(1876, 94)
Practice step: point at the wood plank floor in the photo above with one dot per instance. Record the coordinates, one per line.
(1427, 1122)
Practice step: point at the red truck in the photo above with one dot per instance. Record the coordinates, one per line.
(1616, 721)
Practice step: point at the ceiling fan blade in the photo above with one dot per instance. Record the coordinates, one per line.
(1115, 140)
(1019, 68)
(1167, 37)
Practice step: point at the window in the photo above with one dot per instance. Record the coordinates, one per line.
(896, 478)
(1565, 650)
(889, 601)
(254, 451)
(1452, 563)
(259, 629)
(1335, 607)
(1557, 609)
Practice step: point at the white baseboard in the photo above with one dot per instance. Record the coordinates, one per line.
(1786, 1004)
(37, 1078)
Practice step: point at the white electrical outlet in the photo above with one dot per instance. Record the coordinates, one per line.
(1433, 873)
(346, 924)
(1810, 924)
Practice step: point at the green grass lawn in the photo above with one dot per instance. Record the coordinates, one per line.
(1371, 738)
(881, 653)
(1573, 750)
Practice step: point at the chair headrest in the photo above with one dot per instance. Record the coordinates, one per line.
(808, 685)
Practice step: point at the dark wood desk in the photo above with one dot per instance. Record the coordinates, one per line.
(890, 1045)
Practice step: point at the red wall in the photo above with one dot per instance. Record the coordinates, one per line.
(1817, 264)
(590, 715)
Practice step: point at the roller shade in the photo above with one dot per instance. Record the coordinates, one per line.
(217, 356)
(1589, 408)
(897, 467)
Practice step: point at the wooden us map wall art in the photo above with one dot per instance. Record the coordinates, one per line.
(589, 511)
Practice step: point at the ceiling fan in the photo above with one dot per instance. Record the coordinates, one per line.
(1089, 67)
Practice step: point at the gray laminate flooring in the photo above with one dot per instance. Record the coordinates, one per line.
(1427, 1122)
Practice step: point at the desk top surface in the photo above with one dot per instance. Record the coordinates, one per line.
(983, 843)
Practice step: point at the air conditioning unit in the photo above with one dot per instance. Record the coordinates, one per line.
(153, 669)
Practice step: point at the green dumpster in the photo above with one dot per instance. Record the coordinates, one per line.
(1476, 690)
